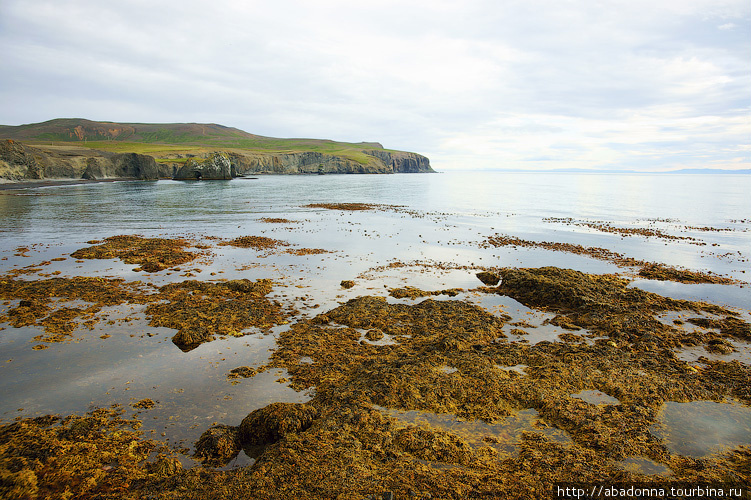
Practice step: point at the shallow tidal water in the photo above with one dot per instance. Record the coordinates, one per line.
(435, 224)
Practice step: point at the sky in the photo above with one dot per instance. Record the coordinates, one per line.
(501, 84)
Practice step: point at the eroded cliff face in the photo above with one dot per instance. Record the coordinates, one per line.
(23, 162)
(217, 166)
(20, 161)
(377, 162)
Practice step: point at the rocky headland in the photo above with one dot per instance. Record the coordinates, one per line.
(81, 149)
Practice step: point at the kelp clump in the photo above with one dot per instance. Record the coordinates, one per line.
(200, 310)
(152, 254)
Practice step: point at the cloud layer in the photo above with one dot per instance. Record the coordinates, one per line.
(478, 84)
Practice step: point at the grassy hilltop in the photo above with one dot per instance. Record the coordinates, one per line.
(164, 141)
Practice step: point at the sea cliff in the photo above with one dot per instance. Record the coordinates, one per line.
(20, 161)
(83, 149)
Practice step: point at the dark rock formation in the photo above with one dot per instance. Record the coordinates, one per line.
(217, 166)
(17, 163)
(21, 162)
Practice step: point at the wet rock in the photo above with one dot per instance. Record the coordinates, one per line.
(188, 339)
(271, 423)
(218, 445)
(346, 284)
(488, 278)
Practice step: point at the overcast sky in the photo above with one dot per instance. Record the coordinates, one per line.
(531, 84)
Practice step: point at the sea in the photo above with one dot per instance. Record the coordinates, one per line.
(424, 230)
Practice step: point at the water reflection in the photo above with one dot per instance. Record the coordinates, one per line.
(699, 428)
(504, 436)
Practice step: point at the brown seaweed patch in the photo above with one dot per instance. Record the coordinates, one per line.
(242, 372)
(38, 307)
(98, 455)
(414, 293)
(344, 206)
(662, 272)
(405, 375)
(277, 220)
(200, 310)
(306, 251)
(144, 404)
(651, 270)
(257, 242)
(152, 254)
(605, 305)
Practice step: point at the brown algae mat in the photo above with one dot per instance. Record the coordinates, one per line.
(440, 357)
(198, 310)
(152, 254)
(648, 270)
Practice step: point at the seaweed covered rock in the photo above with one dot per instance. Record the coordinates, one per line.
(271, 423)
(562, 289)
(218, 445)
(488, 278)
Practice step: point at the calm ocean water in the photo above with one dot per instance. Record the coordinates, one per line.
(435, 219)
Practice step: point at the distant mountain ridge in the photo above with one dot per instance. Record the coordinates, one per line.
(68, 147)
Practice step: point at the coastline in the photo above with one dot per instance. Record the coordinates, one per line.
(10, 185)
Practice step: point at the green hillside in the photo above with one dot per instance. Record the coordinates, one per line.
(160, 139)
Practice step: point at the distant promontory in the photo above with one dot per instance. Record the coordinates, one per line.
(74, 148)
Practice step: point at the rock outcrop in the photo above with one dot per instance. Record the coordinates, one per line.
(401, 162)
(217, 166)
(20, 161)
